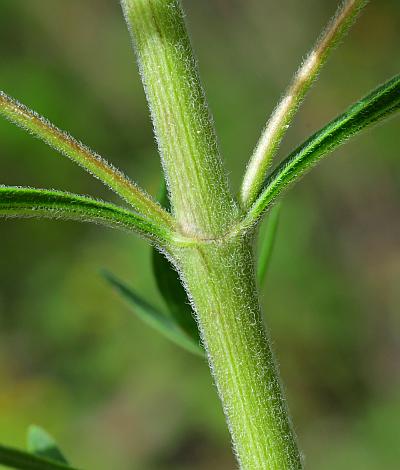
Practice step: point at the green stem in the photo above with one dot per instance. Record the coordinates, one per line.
(217, 269)
(220, 279)
(197, 182)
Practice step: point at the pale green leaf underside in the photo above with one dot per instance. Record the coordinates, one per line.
(27, 202)
(381, 103)
(266, 243)
(165, 325)
(285, 111)
(13, 458)
(40, 443)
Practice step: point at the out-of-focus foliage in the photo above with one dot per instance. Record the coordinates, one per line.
(75, 360)
(40, 443)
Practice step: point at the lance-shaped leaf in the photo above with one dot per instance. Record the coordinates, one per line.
(13, 458)
(174, 295)
(27, 202)
(153, 317)
(381, 103)
(170, 285)
(266, 243)
(79, 153)
(40, 443)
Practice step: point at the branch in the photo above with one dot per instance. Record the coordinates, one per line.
(27, 202)
(378, 105)
(284, 113)
(61, 141)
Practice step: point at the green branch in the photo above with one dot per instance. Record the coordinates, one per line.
(378, 105)
(285, 111)
(27, 202)
(65, 144)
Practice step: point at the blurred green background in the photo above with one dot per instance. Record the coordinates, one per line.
(75, 360)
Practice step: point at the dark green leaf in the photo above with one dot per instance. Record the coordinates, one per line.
(42, 444)
(266, 243)
(381, 103)
(96, 165)
(170, 286)
(150, 315)
(18, 459)
(27, 202)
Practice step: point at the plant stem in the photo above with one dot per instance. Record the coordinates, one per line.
(220, 280)
(217, 270)
(197, 183)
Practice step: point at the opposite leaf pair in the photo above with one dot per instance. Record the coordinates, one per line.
(179, 325)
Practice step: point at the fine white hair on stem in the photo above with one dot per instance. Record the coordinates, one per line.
(284, 112)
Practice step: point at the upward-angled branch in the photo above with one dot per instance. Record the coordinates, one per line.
(28, 202)
(79, 153)
(381, 103)
(284, 112)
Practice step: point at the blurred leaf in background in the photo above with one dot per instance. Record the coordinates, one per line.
(73, 359)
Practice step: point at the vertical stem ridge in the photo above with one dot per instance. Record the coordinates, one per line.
(220, 279)
(197, 182)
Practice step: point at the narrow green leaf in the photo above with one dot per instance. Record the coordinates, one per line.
(18, 459)
(286, 109)
(267, 238)
(150, 315)
(174, 295)
(61, 141)
(27, 202)
(170, 286)
(42, 444)
(381, 103)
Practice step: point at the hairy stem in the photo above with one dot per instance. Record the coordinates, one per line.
(221, 283)
(197, 182)
(79, 153)
(283, 114)
(217, 269)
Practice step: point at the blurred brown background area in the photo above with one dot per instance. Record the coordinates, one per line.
(75, 360)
